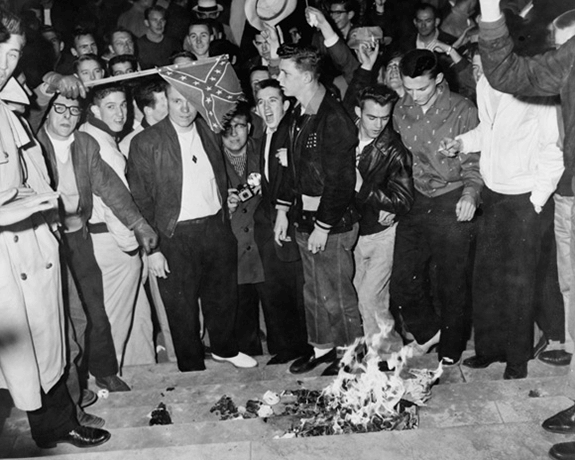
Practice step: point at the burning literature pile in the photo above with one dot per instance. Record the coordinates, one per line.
(361, 398)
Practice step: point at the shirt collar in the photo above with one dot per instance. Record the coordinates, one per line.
(443, 101)
(313, 105)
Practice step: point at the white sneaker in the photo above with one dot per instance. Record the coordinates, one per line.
(241, 360)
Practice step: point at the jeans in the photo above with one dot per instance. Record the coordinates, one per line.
(373, 261)
(331, 310)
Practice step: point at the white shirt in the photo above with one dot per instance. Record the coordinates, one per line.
(200, 196)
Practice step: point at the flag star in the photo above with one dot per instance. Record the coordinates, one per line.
(183, 77)
(217, 71)
(196, 83)
(219, 91)
(208, 88)
(208, 100)
(210, 113)
(213, 78)
(229, 97)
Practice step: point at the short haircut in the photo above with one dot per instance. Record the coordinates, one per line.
(88, 57)
(10, 24)
(183, 54)
(80, 32)
(157, 9)
(259, 68)
(109, 38)
(201, 22)
(416, 63)
(380, 94)
(270, 83)
(349, 5)
(565, 20)
(422, 6)
(99, 93)
(306, 58)
(242, 109)
(120, 59)
(144, 92)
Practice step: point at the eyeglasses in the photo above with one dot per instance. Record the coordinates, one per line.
(61, 108)
(337, 12)
(237, 127)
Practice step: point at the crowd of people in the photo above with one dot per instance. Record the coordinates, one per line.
(395, 172)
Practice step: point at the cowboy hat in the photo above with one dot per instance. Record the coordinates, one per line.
(270, 11)
(207, 6)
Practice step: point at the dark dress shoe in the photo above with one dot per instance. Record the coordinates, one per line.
(284, 357)
(555, 357)
(82, 436)
(515, 371)
(309, 362)
(112, 383)
(563, 422)
(332, 369)
(563, 451)
(481, 362)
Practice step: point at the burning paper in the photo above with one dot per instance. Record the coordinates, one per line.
(361, 398)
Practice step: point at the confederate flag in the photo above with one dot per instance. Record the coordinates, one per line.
(211, 86)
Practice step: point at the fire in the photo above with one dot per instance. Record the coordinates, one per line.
(361, 398)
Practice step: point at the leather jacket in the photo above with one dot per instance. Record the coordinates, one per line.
(385, 167)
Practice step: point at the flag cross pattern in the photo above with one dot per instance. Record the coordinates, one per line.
(210, 86)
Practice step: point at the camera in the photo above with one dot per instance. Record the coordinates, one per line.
(246, 191)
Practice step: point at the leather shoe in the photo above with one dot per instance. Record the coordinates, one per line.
(540, 346)
(563, 451)
(515, 371)
(82, 436)
(308, 362)
(332, 369)
(563, 422)
(284, 357)
(481, 362)
(112, 383)
(555, 357)
(89, 397)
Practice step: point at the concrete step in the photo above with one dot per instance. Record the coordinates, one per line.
(511, 441)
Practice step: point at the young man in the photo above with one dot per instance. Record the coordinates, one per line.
(438, 231)
(177, 176)
(89, 68)
(384, 189)
(34, 360)
(521, 164)
(122, 64)
(84, 43)
(115, 246)
(154, 47)
(319, 186)
(544, 75)
(79, 173)
(134, 19)
(198, 39)
(120, 41)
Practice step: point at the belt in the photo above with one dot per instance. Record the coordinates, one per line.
(100, 227)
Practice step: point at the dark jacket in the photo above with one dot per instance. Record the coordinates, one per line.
(385, 167)
(250, 267)
(547, 74)
(321, 163)
(265, 215)
(93, 176)
(155, 172)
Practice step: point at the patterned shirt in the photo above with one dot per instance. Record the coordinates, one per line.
(433, 173)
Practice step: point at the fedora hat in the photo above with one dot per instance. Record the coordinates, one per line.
(207, 6)
(270, 11)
